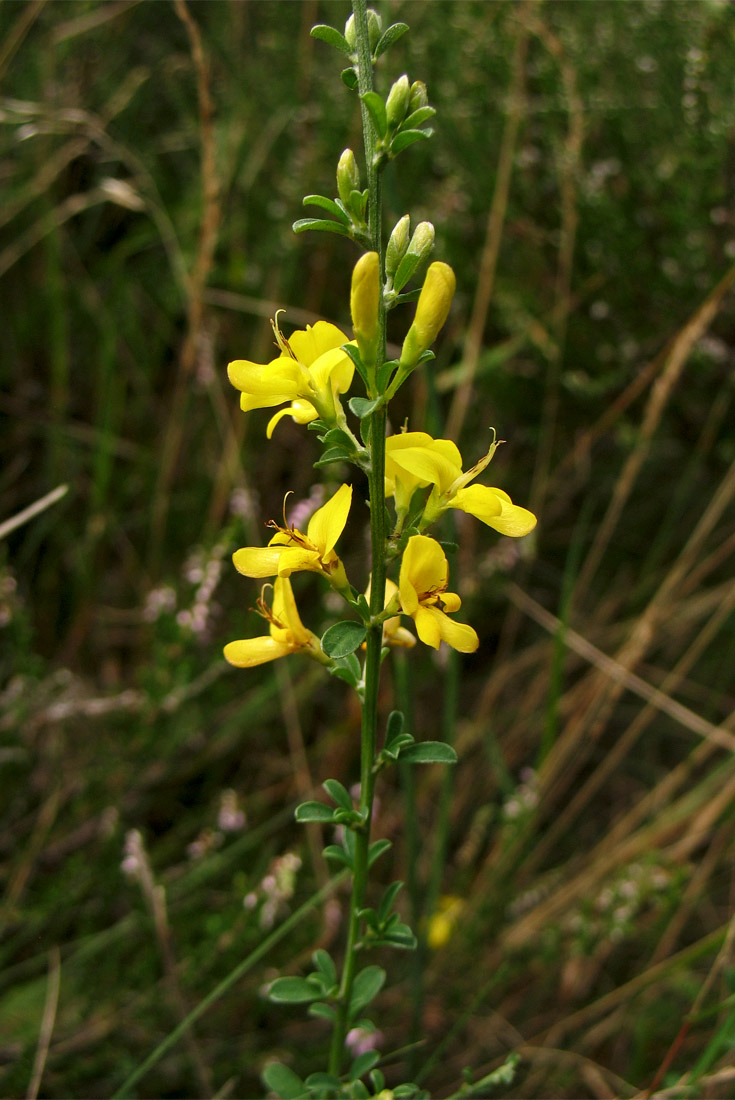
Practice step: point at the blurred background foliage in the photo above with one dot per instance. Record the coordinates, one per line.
(582, 184)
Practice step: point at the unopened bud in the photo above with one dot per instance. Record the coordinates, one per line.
(397, 245)
(348, 176)
(417, 96)
(432, 311)
(364, 305)
(397, 102)
(350, 32)
(375, 27)
(422, 241)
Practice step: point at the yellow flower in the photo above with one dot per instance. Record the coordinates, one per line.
(422, 586)
(400, 482)
(425, 461)
(442, 922)
(287, 633)
(310, 373)
(291, 551)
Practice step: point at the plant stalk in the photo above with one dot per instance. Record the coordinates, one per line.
(378, 536)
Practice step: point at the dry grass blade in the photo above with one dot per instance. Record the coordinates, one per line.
(678, 354)
(621, 675)
(32, 510)
(47, 1022)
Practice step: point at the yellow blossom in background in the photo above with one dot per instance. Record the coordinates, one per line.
(292, 551)
(442, 922)
(422, 586)
(310, 373)
(287, 633)
(426, 461)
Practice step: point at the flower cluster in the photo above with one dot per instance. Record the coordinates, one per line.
(314, 369)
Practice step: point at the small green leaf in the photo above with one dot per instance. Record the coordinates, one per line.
(302, 224)
(332, 36)
(292, 991)
(408, 137)
(359, 1091)
(322, 1011)
(406, 268)
(429, 752)
(376, 850)
(394, 727)
(384, 373)
(334, 454)
(389, 36)
(323, 961)
(401, 936)
(349, 77)
(412, 121)
(327, 204)
(376, 109)
(348, 669)
(363, 1064)
(377, 1080)
(283, 1081)
(337, 793)
(389, 897)
(367, 985)
(362, 406)
(339, 855)
(321, 1083)
(314, 811)
(343, 638)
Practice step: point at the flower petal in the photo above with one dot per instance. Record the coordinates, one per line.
(427, 626)
(480, 501)
(283, 375)
(303, 412)
(309, 343)
(429, 465)
(334, 369)
(284, 610)
(295, 559)
(328, 522)
(424, 565)
(459, 636)
(258, 561)
(249, 652)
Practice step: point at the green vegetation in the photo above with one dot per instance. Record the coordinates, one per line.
(581, 181)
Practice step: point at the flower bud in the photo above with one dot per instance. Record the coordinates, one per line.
(364, 305)
(397, 102)
(348, 176)
(432, 310)
(397, 245)
(418, 96)
(375, 27)
(350, 32)
(422, 241)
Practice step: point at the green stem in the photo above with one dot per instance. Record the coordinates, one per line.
(378, 535)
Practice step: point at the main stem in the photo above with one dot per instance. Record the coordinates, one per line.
(378, 535)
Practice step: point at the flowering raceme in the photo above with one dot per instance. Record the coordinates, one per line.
(422, 585)
(292, 551)
(414, 459)
(287, 633)
(310, 373)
